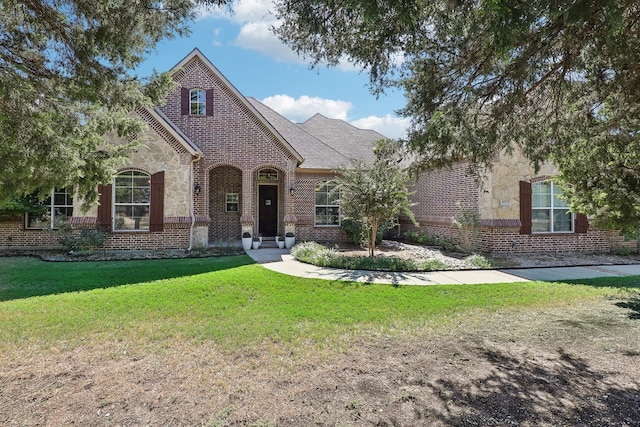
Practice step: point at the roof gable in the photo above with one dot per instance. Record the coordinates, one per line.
(169, 131)
(196, 55)
(317, 154)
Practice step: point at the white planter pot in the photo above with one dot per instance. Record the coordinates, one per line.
(256, 245)
(281, 244)
(289, 242)
(246, 243)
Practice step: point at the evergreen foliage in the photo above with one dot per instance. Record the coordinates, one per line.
(66, 82)
(557, 80)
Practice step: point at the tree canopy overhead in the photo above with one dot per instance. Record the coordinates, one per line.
(66, 81)
(558, 79)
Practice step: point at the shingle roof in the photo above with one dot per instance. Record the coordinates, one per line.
(349, 140)
(323, 143)
(184, 139)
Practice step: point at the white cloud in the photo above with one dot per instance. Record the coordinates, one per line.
(389, 125)
(258, 37)
(255, 19)
(240, 11)
(299, 110)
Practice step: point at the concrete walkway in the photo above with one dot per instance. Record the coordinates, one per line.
(281, 261)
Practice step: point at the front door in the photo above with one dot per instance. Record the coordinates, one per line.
(268, 210)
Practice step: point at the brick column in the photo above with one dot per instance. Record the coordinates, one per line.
(246, 219)
(289, 202)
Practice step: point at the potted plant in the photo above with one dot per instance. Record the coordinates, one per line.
(280, 240)
(260, 237)
(256, 242)
(246, 240)
(289, 240)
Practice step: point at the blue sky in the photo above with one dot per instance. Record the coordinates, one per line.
(241, 46)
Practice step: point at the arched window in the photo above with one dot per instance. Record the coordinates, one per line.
(198, 102)
(327, 204)
(549, 214)
(268, 175)
(132, 201)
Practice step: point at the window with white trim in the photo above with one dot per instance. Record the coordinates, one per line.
(198, 102)
(232, 202)
(132, 201)
(549, 214)
(59, 207)
(327, 204)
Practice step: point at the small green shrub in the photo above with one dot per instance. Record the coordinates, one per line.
(317, 254)
(419, 237)
(621, 250)
(80, 239)
(355, 231)
(467, 221)
(314, 253)
(422, 238)
(480, 261)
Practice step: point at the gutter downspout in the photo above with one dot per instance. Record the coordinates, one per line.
(196, 158)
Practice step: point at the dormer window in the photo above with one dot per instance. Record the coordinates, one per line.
(198, 102)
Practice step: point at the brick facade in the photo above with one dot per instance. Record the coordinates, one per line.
(224, 151)
(222, 181)
(442, 194)
(305, 209)
(13, 236)
(233, 138)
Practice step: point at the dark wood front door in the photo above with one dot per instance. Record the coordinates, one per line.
(268, 210)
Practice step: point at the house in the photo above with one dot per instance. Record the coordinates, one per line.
(519, 209)
(213, 164)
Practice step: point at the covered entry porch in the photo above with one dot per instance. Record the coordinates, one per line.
(258, 201)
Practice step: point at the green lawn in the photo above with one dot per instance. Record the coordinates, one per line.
(235, 303)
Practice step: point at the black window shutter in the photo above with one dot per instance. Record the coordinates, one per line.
(105, 200)
(184, 101)
(156, 216)
(209, 105)
(525, 207)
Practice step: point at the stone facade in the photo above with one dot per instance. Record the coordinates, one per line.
(444, 193)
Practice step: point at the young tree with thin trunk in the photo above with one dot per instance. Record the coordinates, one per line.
(374, 194)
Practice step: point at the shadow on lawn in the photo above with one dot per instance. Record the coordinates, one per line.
(634, 305)
(29, 277)
(562, 391)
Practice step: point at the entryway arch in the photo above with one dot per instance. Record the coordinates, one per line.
(225, 203)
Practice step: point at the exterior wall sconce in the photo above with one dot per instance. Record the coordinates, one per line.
(197, 189)
(292, 190)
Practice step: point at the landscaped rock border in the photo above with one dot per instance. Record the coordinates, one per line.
(59, 256)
